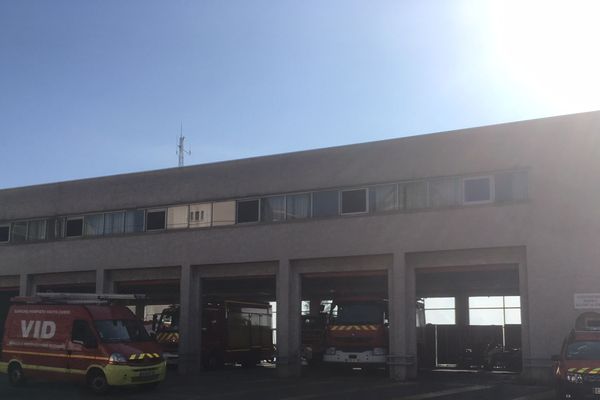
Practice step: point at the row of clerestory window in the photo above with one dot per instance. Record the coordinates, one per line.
(416, 195)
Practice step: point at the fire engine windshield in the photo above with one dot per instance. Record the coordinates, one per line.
(117, 330)
(583, 351)
(358, 313)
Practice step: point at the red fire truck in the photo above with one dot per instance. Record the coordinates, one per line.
(79, 337)
(232, 331)
(357, 331)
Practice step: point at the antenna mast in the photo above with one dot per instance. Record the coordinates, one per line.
(180, 149)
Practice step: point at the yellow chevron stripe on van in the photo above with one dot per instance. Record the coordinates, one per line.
(141, 356)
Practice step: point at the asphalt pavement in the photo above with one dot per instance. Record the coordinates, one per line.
(262, 383)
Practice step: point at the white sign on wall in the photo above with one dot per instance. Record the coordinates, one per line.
(586, 301)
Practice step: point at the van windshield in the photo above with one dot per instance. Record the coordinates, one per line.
(121, 330)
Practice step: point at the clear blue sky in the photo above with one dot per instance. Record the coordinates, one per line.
(91, 88)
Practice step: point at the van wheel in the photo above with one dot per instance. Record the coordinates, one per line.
(97, 382)
(15, 375)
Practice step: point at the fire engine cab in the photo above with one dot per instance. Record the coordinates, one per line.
(84, 338)
(577, 367)
(357, 331)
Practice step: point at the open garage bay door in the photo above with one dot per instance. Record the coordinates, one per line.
(473, 318)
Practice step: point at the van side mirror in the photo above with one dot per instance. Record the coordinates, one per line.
(555, 357)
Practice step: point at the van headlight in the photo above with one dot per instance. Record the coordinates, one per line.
(379, 351)
(574, 378)
(330, 351)
(117, 358)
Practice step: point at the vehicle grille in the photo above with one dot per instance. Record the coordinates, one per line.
(352, 340)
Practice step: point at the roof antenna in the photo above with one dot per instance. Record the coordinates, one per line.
(180, 149)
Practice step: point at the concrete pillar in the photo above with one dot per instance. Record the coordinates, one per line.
(288, 320)
(411, 318)
(140, 309)
(25, 285)
(190, 321)
(104, 285)
(398, 318)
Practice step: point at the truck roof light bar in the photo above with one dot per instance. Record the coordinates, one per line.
(75, 298)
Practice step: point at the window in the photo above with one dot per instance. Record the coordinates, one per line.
(36, 230)
(155, 220)
(354, 201)
(200, 215)
(54, 228)
(74, 227)
(177, 217)
(510, 186)
(298, 206)
(82, 332)
(272, 208)
(478, 190)
(121, 331)
(444, 192)
(19, 232)
(4, 233)
(495, 310)
(440, 310)
(326, 203)
(134, 221)
(93, 225)
(223, 213)
(415, 195)
(247, 211)
(114, 223)
(382, 198)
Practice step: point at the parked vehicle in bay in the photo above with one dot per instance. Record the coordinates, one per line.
(577, 367)
(357, 332)
(232, 332)
(80, 338)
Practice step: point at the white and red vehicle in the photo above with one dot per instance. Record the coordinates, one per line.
(357, 332)
(79, 338)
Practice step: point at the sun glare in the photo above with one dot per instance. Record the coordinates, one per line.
(550, 49)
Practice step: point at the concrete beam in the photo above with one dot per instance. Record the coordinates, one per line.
(288, 320)
(190, 321)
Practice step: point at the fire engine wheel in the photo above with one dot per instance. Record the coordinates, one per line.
(96, 381)
(15, 375)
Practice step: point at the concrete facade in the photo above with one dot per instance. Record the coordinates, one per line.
(551, 237)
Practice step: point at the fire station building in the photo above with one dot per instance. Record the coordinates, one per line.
(496, 227)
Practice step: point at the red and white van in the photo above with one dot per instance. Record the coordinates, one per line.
(78, 338)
